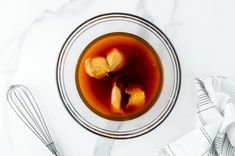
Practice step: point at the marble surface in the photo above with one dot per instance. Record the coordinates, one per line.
(201, 31)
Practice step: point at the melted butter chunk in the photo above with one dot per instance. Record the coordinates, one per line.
(116, 97)
(137, 96)
(97, 67)
(115, 59)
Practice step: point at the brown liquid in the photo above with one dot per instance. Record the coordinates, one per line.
(143, 67)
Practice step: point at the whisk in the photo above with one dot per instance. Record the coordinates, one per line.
(25, 106)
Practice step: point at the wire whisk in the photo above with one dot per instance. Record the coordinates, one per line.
(25, 106)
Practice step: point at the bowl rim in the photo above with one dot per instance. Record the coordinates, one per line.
(167, 42)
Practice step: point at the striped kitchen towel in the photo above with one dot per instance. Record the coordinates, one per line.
(215, 134)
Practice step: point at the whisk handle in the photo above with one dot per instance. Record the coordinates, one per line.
(57, 154)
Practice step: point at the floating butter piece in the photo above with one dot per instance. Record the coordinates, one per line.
(97, 67)
(116, 97)
(115, 59)
(137, 96)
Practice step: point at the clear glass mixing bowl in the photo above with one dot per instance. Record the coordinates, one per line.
(77, 42)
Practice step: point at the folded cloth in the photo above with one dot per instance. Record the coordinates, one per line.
(215, 134)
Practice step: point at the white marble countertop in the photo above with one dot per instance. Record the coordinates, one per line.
(33, 31)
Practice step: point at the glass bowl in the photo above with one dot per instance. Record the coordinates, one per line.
(78, 41)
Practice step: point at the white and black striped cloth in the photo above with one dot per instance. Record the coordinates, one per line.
(215, 135)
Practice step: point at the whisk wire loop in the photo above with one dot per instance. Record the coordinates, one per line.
(26, 108)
